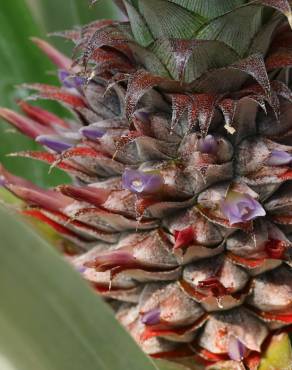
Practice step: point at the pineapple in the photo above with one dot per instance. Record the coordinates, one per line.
(180, 211)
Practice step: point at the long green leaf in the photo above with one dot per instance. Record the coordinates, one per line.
(49, 317)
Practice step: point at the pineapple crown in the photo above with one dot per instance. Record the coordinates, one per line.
(179, 150)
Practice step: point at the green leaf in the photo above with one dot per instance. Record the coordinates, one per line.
(262, 40)
(209, 8)
(139, 27)
(148, 59)
(279, 354)
(194, 57)
(169, 20)
(8, 198)
(231, 28)
(49, 317)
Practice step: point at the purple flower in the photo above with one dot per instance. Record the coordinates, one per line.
(63, 77)
(236, 349)
(151, 317)
(140, 182)
(279, 158)
(208, 145)
(70, 81)
(239, 207)
(2, 181)
(79, 81)
(93, 132)
(53, 143)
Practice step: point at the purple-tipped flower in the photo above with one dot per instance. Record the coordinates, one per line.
(236, 349)
(151, 317)
(79, 81)
(93, 132)
(140, 182)
(63, 77)
(70, 81)
(238, 207)
(208, 145)
(2, 181)
(279, 158)
(53, 143)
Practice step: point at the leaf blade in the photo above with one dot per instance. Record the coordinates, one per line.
(230, 28)
(209, 8)
(60, 324)
(166, 19)
(139, 27)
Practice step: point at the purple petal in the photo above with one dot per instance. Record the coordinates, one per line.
(279, 158)
(239, 207)
(141, 182)
(64, 78)
(236, 349)
(70, 81)
(208, 145)
(2, 181)
(92, 132)
(79, 81)
(57, 145)
(151, 317)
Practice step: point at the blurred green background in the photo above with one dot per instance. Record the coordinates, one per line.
(21, 61)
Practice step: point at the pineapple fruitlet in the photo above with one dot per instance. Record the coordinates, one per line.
(180, 211)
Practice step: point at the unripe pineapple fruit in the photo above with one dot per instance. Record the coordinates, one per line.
(179, 146)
